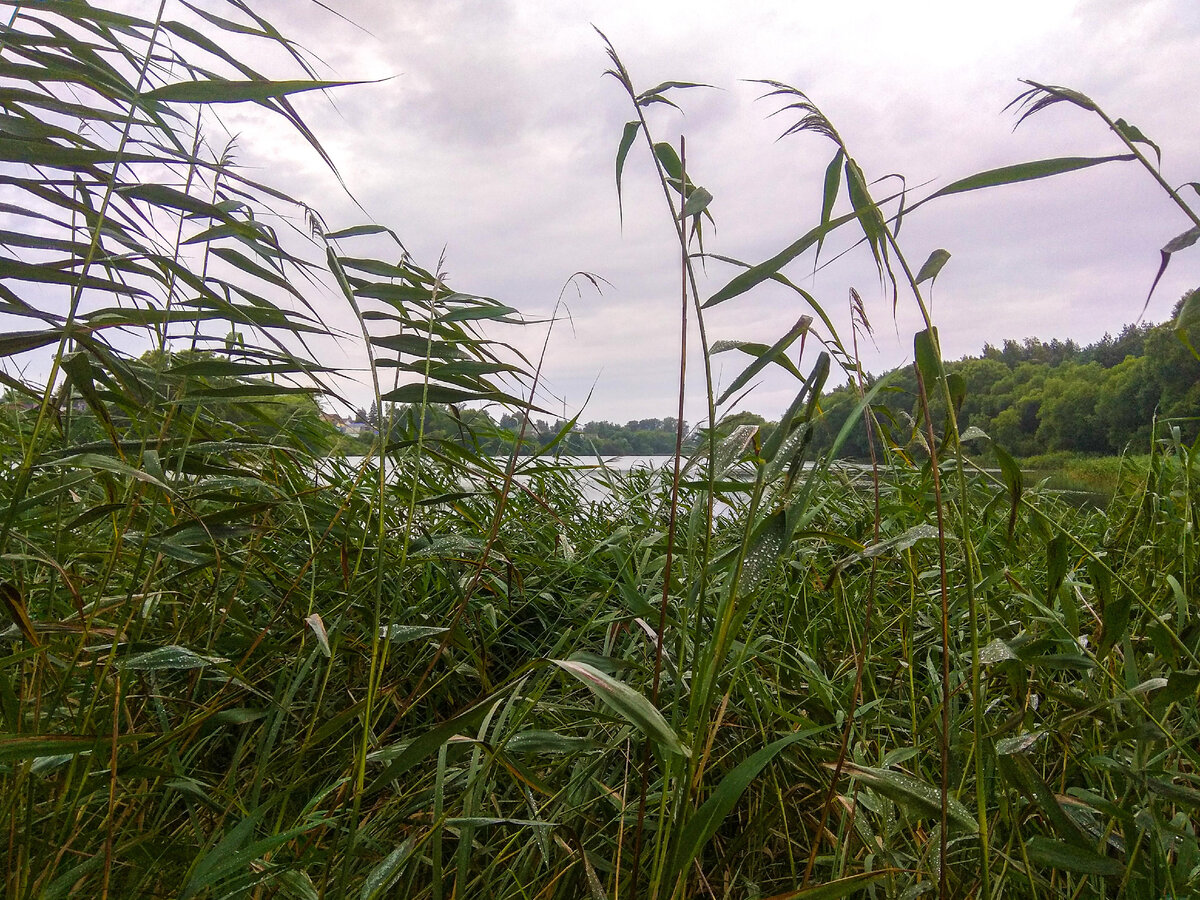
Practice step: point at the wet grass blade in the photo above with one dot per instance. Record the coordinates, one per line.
(627, 703)
(705, 821)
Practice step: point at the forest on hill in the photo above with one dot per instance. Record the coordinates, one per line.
(1034, 397)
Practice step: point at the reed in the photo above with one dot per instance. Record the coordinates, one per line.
(239, 666)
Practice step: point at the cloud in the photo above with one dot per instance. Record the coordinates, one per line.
(495, 139)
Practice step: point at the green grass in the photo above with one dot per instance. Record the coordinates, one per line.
(1101, 476)
(241, 667)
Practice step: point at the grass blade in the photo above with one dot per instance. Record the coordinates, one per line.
(627, 703)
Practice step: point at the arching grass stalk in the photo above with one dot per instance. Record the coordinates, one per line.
(871, 426)
(965, 535)
(163, 331)
(943, 589)
(85, 265)
(672, 524)
(967, 541)
(1039, 96)
(879, 233)
(678, 220)
(497, 517)
(376, 663)
(214, 196)
(662, 155)
(430, 293)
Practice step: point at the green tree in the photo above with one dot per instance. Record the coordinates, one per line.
(1067, 417)
(1125, 407)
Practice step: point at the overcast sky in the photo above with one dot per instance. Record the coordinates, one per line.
(494, 138)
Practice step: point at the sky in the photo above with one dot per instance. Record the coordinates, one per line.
(489, 140)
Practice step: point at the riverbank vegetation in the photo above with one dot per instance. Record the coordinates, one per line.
(499, 435)
(236, 666)
(1038, 399)
(1057, 406)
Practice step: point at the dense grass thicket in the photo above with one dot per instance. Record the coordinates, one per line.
(234, 666)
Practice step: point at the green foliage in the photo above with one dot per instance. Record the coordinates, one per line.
(1036, 398)
(240, 666)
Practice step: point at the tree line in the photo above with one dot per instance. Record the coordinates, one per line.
(1031, 396)
(1034, 397)
(479, 429)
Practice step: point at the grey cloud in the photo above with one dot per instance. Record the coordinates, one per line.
(496, 140)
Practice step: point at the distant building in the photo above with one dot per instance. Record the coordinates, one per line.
(347, 426)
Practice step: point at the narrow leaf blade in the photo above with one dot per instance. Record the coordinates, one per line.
(627, 703)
